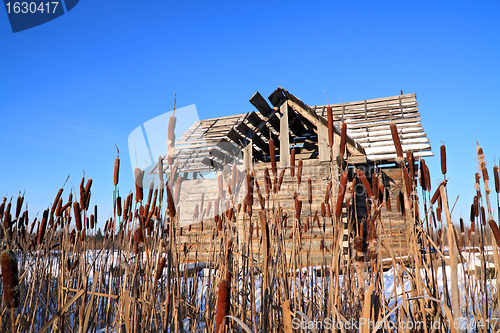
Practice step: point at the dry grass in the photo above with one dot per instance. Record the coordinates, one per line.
(137, 278)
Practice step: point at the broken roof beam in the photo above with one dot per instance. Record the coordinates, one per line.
(308, 113)
(265, 110)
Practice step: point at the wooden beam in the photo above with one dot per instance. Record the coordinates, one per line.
(323, 146)
(260, 104)
(277, 98)
(284, 139)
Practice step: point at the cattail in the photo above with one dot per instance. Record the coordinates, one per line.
(78, 217)
(171, 139)
(443, 159)
(462, 229)
(298, 208)
(328, 189)
(422, 174)
(497, 181)
(249, 185)
(223, 304)
(387, 200)
(59, 208)
(496, 232)
(177, 190)
(407, 181)
(397, 142)
(20, 200)
(427, 178)
(375, 182)
(438, 213)
(483, 215)
(170, 203)
(10, 278)
(116, 171)
(83, 194)
(299, 172)
(292, 163)
(280, 180)
(476, 206)
(139, 175)
(343, 135)
(92, 221)
(472, 213)
(87, 194)
(2, 207)
(309, 191)
(365, 183)
(328, 210)
(43, 227)
(437, 193)
(7, 217)
(329, 113)
(119, 206)
(159, 271)
(272, 153)
(411, 163)
(267, 181)
(323, 209)
(340, 197)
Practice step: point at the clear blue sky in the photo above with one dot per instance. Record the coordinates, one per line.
(74, 87)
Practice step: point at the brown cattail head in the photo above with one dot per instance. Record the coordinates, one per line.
(10, 279)
(267, 181)
(483, 215)
(343, 136)
(476, 206)
(292, 163)
(472, 213)
(329, 113)
(397, 142)
(375, 182)
(119, 206)
(78, 216)
(340, 197)
(411, 164)
(443, 159)
(43, 227)
(299, 172)
(20, 200)
(139, 175)
(387, 200)
(328, 189)
(323, 209)
(427, 178)
(249, 185)
(437, 194)
(280, 181)
(497, 180)
(496, 232)
(160, 169)
(298, 208)
(159, 271)
(116, 171)
(309, 191)
(92, 221)
(223, 304)
(87, 194)
(170, 203)
(272, 153)
(421, 172)
(364, 181)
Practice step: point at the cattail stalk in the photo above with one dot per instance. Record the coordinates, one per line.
(340, 197)
(397, 142)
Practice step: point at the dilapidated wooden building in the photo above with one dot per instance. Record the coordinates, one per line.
(216, 152)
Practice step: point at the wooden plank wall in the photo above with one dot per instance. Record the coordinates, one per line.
(207, 242)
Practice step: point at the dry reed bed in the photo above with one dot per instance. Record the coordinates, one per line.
(138, 277)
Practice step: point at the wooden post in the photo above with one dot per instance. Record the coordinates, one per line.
(247, 156)
(284, 137)
(323, 147)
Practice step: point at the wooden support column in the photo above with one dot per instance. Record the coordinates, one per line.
(284, 137)
(247, 156)
(323, 146)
